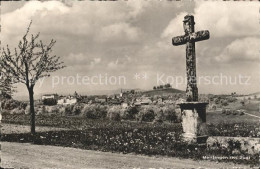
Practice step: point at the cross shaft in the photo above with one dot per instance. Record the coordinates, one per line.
(189, 39)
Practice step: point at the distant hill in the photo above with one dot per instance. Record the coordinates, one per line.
(111, 92)
(162, 91)
(257, 93)
(107, 92)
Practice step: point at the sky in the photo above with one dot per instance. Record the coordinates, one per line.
(127, 44)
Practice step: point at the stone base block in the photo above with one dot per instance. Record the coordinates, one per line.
(194, 122)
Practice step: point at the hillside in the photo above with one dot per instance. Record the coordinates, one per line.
(168, 91)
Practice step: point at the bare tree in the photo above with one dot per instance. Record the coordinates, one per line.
(28, 63)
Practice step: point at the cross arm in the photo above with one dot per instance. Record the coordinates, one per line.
(180, 40)
(196, 36)
(200, 35)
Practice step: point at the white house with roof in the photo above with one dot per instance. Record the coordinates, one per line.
(67, 100)
(50, 96)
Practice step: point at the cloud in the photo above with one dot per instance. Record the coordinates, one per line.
(228, 19)
(80, 59)
(23, 15)
(137, 7)
(113, 64)
(95, 62)
(175, 27)
(118, 32)
(241, 50)
(86, 19)
(121, 63)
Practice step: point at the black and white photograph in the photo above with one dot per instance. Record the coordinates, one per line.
(133, 84)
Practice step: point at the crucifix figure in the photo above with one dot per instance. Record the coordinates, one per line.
(189, 39)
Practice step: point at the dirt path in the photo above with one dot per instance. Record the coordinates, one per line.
(253, 115)
(25, 155)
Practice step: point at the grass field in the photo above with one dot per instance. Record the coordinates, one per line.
(126, 136)
(217, 117)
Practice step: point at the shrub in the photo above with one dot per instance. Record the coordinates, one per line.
(224, 103)
(76, 110)
(94, 111)
(170, 113)
(89, 111)
(27, 109)
(242, 113)
(233, 130)
(159, 115)
(49, 102)
(124, 114)
(10, 104)
(50, 110)
(129, 113)
(54, 109)
(235, 112)
(40, 110)
(234, 145)
(102, 111)
(146, 114)
(228, 111)
(17, 111)
(5, 112)
(62, 111)
(114, 113)
(69, 109)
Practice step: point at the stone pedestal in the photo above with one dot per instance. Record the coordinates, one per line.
(194, 122)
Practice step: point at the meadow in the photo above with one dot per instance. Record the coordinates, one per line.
(126, 137)
(146, 131)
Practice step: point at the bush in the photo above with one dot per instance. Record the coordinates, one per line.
(170, 113)
(224, 103)
(69, 109)
(114, 113)
(49, 110)
(146, 114)
(49, 102)
(5, 112)
(235, 112)
(94, 111)
(242, 113)
(159, 115)
(76, 110)
(233, 130)
(41, 110)
(17, 111)
(232, 99)
(129, 113)
(10, 104)
(27, 109)
(228, 111)
(62, 111)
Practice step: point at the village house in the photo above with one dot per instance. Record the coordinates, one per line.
(67, 100)
(50, 96)
(143, 101)
(100, 100)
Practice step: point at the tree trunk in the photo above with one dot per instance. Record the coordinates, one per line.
(32, 112)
